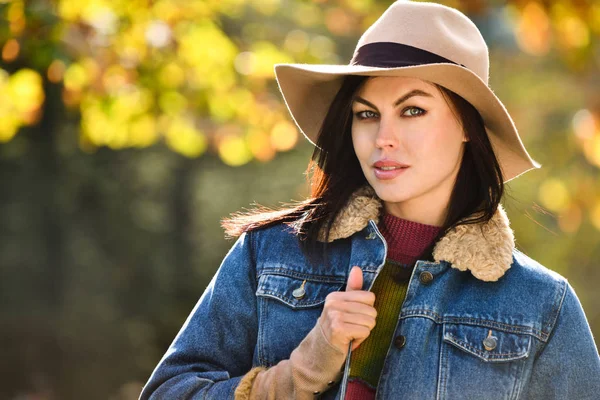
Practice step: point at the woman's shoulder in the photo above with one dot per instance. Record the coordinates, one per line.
(537, 285)
(528, 277)
(532, 270)
(275, 239)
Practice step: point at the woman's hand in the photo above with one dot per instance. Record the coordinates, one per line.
(316, 362)
(349, 315)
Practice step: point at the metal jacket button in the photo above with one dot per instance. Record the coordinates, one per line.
(426, 277)
(400, 341)
(371, 235)
(490, 342)
(299, 293)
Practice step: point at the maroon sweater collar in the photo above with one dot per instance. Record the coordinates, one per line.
(406, 239)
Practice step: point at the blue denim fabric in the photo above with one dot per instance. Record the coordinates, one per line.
(542, 346)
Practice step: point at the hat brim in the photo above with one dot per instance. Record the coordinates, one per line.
(309, 89)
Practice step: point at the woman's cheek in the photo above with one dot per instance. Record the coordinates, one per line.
(360, 144)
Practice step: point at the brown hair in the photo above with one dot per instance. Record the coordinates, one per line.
(334, 173)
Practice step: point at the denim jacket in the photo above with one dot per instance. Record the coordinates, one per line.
(481, 321)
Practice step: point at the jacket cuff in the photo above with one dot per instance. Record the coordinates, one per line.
(313, 367)
(242, 392)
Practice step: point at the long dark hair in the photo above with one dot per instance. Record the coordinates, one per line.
(334, 173)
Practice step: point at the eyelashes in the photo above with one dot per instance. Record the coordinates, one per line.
(361, 115)
(368, 114)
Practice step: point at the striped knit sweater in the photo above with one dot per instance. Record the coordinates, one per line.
(406, 240)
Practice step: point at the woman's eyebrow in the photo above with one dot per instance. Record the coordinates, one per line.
(412, 93)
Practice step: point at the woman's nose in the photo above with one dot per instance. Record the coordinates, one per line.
(386, 134)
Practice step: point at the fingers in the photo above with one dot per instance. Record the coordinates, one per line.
(355, 279)
(356, 296)
(353, 308)
(341, 332)
(349, 316)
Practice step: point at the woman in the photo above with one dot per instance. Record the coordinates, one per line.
(398, 277)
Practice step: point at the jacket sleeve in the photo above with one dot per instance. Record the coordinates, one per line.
(215, 345)
(313, 367)
(568, 367)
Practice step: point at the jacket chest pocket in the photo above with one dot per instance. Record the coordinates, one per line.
(289, 306)
(481, 362)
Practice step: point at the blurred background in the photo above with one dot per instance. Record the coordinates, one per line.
(129, 128)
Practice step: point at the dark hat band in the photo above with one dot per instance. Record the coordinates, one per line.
(390, 55)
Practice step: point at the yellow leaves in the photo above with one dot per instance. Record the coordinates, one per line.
(570, 219)
(21, 98)
(340, 22)
(115, 78)
(16, 17)
(266, 7)
(591, 150)
(306, 14)
(245, 63)
(131, 43)
(127, 120)
(360, 6)
(134, 101)
(70, 10)
(171, 76)
(143, 131)
(120, 121)
(56, 71)
(595, 215)
(584, 124)
(141, 69)
(172, 102)
(554, 195)
(594, 18)
(259, 142)
(533, 31)
(167, 10)
(9, 125)
(260, 145)
(296, 41)
(323, 48)
(26, 91)
(572, 32)
(234, 151)
(206, 47)
(182, 136)
(10, 50)
(224, 105)
(102, 14)
(80, 75)
(266, 54)
(587, 131)
(158, 33)
(258, 63)
(75, 77)
(284, 136)
(539, 27)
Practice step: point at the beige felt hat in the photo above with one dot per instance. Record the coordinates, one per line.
(428, 41)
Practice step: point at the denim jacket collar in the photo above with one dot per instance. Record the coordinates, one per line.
(486, 249)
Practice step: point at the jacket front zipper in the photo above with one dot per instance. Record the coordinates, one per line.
(344, 383)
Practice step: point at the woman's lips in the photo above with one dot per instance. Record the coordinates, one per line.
(386, 174)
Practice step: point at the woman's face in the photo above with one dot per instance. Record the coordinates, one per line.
(404, 121)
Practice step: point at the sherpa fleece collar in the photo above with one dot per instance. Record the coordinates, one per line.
(485, 248)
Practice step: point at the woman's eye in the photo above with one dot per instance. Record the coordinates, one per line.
(413, 114)
(365, 114)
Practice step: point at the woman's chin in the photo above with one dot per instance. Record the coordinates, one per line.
(391, 193)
